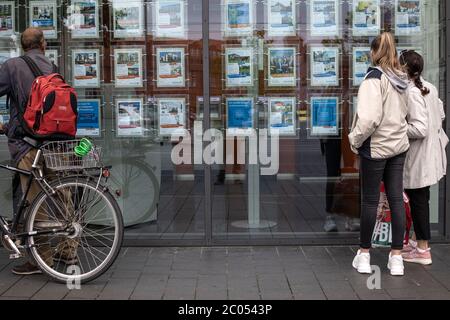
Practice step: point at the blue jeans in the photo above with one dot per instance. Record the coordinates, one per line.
(372, 173)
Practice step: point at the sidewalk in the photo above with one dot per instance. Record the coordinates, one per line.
(240, 273)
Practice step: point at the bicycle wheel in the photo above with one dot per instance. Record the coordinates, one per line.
(92, 224)
(138, 187)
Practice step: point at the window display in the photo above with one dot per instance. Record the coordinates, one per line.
(366, 17)
(86, 68)
(170, 68)
(281, 17)
(324, 17)
(282, 115)
(128, 68)
(282, 66)
(130, 117)
(128, 18)
(324, 66)
(408, 17)
(239, 67)
(83, 19)
(324, 116)
(240, 116)
(88, 121)
(361, 63)
(43, 15)
(238, 18)
(172, 116)
(7, 18)
(170, 19)
(52, 55)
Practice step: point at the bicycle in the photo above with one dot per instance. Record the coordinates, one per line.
(73, 214)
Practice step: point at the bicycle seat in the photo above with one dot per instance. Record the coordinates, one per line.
(32, 142)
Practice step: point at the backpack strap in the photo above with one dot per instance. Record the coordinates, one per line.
(55, 68)
(33, 66)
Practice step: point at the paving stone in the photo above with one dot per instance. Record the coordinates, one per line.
(26, 287)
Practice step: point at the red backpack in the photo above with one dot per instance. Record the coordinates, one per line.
(51, 111)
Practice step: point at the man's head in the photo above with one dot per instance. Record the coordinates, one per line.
(33, 38)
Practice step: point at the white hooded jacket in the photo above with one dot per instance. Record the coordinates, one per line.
(379, 129)
(426, 161)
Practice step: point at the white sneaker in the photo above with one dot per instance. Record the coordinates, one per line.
(362, 262)
(396, 266)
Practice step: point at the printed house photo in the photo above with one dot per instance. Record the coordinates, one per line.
(412, 9)
(172, 59)
(43, 17)
(173, 11)
(326, 10)
(127, 18)
(327, 59)
(282, 63)
(244, 63)
(284, 10)
(238, 15)
(366, 14)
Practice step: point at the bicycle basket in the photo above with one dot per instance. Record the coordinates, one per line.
(60, 156)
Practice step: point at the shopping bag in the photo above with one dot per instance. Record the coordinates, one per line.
(382, 233)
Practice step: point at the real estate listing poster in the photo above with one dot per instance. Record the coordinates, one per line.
(366, 17)
(324, 18)
(4, 111)
(128, 18)
(43, 15)
(408, 17)
(128, 68)
(238, 17)
(282, 66)
(52, 55)
(282, 115)
(7, 18)
(170, 67)
(170, 19)
(130, 117)
(324, 66)
(281, 18)
(172, 116)
(83, 19)
(239, 67)
(88, 121)
(239, 116)
(86, 68)
(324, 116)
(361, 63)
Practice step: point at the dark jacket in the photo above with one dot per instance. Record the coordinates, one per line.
(16, 80)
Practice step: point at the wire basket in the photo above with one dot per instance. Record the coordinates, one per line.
(60, 156)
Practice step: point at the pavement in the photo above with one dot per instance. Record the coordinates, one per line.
(240, 273)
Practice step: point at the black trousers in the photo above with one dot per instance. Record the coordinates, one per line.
(372, 173)
(419, 200)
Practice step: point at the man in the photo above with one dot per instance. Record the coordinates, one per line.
(16, 80)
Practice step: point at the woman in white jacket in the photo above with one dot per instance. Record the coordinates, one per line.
(379, 136)
(426, 160)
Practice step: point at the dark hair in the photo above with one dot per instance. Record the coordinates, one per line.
(32, 38)
(414, 63)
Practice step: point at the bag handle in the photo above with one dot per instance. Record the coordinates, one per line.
(33, 66)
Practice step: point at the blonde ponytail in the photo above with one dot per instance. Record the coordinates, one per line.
(384, 53)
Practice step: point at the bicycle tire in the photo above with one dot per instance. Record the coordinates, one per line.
(144, 171)
(76, 182)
